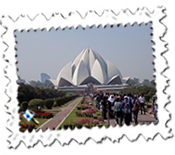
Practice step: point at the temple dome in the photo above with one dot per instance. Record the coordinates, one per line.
(88, 67)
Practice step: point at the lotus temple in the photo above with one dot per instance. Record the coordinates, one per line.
(89, 67)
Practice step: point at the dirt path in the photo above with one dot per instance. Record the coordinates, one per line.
(142, 119)
(55, 121)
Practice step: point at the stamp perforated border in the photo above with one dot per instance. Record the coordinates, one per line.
(92, 18)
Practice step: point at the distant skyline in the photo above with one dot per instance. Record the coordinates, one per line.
(128, 48)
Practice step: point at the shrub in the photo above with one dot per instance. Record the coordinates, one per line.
(24, 127)
(48, 103)
(24, 105)
(147, 98)
(100, 118)
(35, 103)
(98, 114)
(58, 101)
(43, 115)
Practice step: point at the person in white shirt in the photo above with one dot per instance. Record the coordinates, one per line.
(142, 103)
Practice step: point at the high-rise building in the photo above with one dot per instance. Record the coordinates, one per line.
(44, 77)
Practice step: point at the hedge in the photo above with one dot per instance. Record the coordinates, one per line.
(62, 100)
(48, 103)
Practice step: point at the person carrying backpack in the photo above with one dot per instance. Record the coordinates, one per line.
(135, 109)
(127, 111)
(117, 110)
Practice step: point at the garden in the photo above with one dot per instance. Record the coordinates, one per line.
(43, 109)
(84, 115)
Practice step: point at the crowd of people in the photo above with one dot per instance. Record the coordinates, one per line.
(123, 107)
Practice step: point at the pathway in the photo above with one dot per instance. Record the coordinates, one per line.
(59, 118)
(142, 119)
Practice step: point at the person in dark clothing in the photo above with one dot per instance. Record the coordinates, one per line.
(98, 101)
(104, 109)
(131, 105)
(110, 105)
(117, 110)
(126, 110)
(135, 109)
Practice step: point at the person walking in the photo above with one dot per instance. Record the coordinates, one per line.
(117, 110)
(98, 101)
(135, 109)
(142, 103)
(104, 106)
(153, 100)
(110, 106)
(131, 106)
(155, 112)
(126, 110)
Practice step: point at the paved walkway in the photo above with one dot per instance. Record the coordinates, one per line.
(142, 119)
(57, 120)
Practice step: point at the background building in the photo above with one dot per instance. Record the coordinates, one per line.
(44, 77)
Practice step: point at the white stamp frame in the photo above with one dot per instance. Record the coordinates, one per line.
(90, 19)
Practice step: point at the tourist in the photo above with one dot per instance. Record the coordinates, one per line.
(135, 109)
(98, 101)
(104, 106)
(117, 110)
(110, 105)
(126, 111)
(39, 108)
(131, 106)
(95, 100)
(155, 112)
(101, 95)
(154, 98)
(101, 106)
(142, 103)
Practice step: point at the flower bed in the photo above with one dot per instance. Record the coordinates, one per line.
(87, 101)
(85, 106)
(88, 123)
(86, 113)
(43, 115)
(24, 127)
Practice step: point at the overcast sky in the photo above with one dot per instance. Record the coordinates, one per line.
(128, 48)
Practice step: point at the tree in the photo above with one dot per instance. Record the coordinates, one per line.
(147, 98)
(24, 105)
(153, 82)
(25, 93)
(132, 82)
(34, 103)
